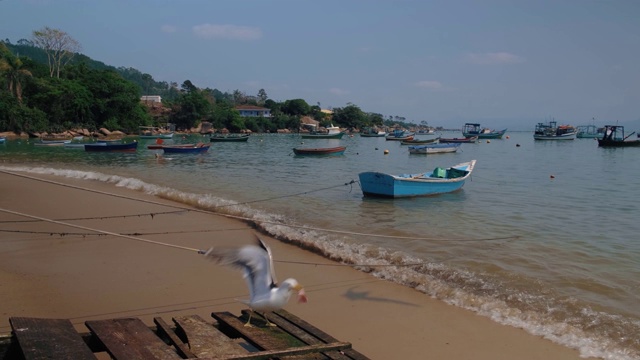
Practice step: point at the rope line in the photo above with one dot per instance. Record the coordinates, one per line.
(99, 231)
(152, 215)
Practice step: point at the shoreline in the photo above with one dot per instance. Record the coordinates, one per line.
(83, 277)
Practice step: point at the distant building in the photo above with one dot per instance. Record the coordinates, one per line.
(151, 98)
(253, 111)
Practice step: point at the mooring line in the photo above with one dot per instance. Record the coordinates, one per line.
(99, 231)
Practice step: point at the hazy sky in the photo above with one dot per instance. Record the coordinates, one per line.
(501, 63)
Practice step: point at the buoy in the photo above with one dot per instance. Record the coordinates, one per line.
(517, 145)
(507, 136)
(553, 177)
(488, 141)
(386, 152)
(376, 148)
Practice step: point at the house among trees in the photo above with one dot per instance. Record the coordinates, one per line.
(151, 98)
(253, 111)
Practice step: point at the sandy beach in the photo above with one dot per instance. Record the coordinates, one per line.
(53, 270)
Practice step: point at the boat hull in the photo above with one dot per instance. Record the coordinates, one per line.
(229, 138)
(618, 143)
(465, 140)
(567, 136)
(323, 136)
(400, 186)
(434, 148)
(334, 151)
(197, 149)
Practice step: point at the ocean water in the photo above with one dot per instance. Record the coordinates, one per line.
(544, 236)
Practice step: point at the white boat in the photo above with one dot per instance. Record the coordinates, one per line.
(439, 148)
(553, 131)
(152, 132)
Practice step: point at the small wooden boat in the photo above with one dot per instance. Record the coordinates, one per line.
(109, 147)
(43, 142)
(614, 137)
(474, 129)
(332, 151)
(198, 148)
(229, 137)
(333, 132)
(420, 141)
(434, 148)
(553, 131)
(400, 135)
(152, 132)
(438, 181)
(468, 140)
(373, 132)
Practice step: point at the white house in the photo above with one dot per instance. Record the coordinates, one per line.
(151, 98)
(253, 111)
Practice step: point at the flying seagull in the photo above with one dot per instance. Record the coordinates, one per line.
(256, 263)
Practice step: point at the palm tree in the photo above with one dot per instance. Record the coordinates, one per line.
(11, 69)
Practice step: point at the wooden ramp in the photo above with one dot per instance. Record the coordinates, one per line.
(186, 337)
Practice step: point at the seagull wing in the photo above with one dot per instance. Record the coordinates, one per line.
(255, 262)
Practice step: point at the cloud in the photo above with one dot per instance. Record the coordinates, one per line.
(494, 58)
(337, 91)
(233, 32)
(169, 28)
(429, 84)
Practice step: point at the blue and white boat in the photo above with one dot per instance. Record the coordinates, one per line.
(438, 181)
(439, 148)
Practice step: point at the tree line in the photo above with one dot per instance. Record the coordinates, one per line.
(47, 85)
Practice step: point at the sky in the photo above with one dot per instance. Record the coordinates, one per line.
(500, 63)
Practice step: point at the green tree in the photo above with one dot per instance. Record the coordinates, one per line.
(350, 116)
(297, 107)
(262, 96)
(12, 69)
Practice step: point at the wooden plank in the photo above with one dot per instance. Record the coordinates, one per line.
(205, 340)
(261, 338)
(165, 330)
(49, 339)
(303, 335)
(130, 339)
(351, 353)
(289, 353)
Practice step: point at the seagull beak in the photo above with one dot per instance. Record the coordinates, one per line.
(302, 297)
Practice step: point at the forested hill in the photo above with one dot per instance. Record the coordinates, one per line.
(148, 86)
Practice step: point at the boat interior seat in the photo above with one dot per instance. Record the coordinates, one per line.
(439, 173)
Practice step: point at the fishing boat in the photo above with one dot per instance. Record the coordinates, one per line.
(415, 141)
(2, 139)
(553, 131)
(438, 181)
(333, 132)
(400, 135)
(373, 132)
(109, 147)
(589, 132)
(468, 140)
(440, 148)
(229, 137)
(152, 132)
(198, 148)
(474, 129)
(614, 137)
(327, 151)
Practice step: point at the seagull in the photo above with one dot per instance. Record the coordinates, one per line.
(256, 263)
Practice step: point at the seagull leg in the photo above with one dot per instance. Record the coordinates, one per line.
(269, 323)
(248, 324)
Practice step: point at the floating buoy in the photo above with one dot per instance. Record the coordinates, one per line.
(552, 177)
(376, 148)
(517, 145)
(386, 152)
(488, 141)
(507, 136)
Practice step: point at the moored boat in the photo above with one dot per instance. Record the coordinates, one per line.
(474, 129)
(198, 148)
(152, 132)
(589, 132)
(415, 141)
(333, 151)
(471, 139)
(373, 132)
(400, 135)
(229, 137)
(438, 181)
(333, 132)
(43, 142)
(614, 137)
(434, 148)
(109, 147)
(553, 131)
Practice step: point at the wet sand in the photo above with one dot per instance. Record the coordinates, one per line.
(54, 270)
